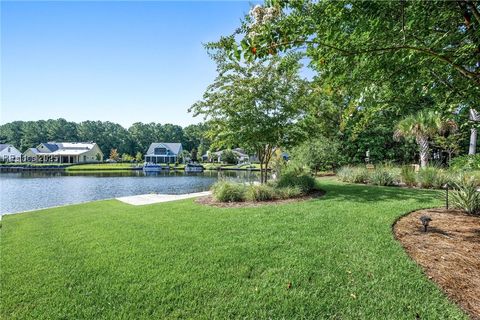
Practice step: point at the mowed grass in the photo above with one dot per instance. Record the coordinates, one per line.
(329, 258)
(102, 166)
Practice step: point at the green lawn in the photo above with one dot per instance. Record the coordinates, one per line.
(32, 164)
(109, 260)
(214, 166)
(102, 166)
(110, 166)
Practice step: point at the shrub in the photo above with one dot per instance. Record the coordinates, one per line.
(225, 191)
(427, 177)
(382, 177)
(288, 192)
(353, 174)
(465, 195)
(408, 176)
(297, 178)
(466, 162)
(260, 193)
(229, 157)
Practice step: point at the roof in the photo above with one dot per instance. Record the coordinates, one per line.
(35, 151)
(50, 146)
(238, 151)
(173, 147)
(65, 148)
(3, 146)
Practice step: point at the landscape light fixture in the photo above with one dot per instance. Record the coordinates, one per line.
(425, 221)
(446, 195)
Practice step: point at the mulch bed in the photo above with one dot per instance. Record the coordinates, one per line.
(210, 201)
(449, 252)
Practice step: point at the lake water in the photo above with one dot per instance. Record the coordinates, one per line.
(36, 190)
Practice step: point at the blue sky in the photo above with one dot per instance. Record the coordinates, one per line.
(118, 61)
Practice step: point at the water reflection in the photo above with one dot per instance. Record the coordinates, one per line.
(31, 190)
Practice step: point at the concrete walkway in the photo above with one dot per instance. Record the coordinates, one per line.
(156, 198)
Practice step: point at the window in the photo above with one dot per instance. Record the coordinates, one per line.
(160, 151)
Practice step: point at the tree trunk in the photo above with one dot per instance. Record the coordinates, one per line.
(261, 171)
(472, 149)
(423, 146)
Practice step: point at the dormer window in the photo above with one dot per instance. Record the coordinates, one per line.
(160, 151)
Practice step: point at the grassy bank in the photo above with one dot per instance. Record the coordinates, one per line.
(102, 166)
(30, 164)
(217, 166)
(331, 257)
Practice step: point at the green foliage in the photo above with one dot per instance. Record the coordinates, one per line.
(353, 174)
(277, 162)
(367, 78)
(288, 192)
(127, 158)
(383, 176)
(184, 156)
(227, 191)
(432, 177)
(466, 162)
(229, 157)
(423, 126)
(408, 176)
(295, 178)
(443, 64)
(465, 195)
(258, 106)
(139, 157)
(319, 153)
(260, 193)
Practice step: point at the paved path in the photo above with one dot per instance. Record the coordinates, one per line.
(156, 198)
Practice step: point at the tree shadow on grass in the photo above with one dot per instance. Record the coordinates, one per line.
(366, 193)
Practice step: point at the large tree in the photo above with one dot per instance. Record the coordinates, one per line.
(375, 54)
(258, 105)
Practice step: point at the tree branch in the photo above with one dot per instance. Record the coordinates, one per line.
(475, 12)
(463, 71)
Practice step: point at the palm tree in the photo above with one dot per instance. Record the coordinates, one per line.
(423, 126)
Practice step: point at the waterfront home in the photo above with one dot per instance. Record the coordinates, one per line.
(8, 153)
(64, 152)
(241, 155)
(163, 152)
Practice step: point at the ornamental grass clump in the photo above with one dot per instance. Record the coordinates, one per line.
(288, 192)
(353, 174)
(297, 178)
(465, 196)
(408, 176)
(260, 193)
(226, 191)
(431, 177)
(382, 177)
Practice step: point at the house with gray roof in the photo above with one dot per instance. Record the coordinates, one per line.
(163, 152)
(64, 152)
(240, 154)
(8, 153)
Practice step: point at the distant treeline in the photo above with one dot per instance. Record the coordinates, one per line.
(108, 135)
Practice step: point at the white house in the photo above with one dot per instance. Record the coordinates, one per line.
(64, 152)
(242, 156)
(8, 153)
(163, 152)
